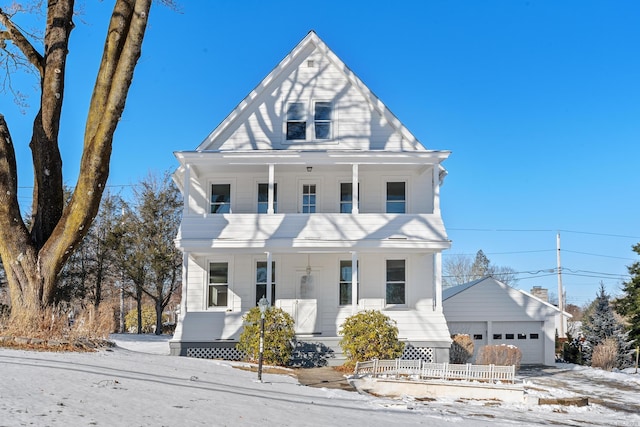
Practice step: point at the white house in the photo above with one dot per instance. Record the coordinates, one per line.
(493, 313)
(311, 185)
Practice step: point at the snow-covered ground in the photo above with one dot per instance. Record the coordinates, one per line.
(138, 384)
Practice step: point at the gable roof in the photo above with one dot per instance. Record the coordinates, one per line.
(310, 43)
(455, 290)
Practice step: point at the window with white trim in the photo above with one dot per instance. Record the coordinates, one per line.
(396, 197)
(320, 121)
(345, 291)
(218, 284)
(296, 122)
(308, 198)
(396, 281)
(261, 281)
(346, 197)
(263, 198)
(220, 198)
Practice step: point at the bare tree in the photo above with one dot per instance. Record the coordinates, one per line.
(461, 269)
(34, 254)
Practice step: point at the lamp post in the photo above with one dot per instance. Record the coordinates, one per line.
(263, 305)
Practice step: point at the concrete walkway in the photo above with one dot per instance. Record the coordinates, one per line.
(326, 377)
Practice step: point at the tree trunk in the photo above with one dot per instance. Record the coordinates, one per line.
(159, 310)
(34, 256)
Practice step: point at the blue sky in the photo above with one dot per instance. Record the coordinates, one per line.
(539, 102)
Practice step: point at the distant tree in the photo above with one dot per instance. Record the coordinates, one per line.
(459, 269)
(480, 266)
(600, 323)
(628, 305)
(34, 253)
(154, 263)
(92, 267)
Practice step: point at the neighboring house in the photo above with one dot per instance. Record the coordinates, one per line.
(493, 313)
(311, 185)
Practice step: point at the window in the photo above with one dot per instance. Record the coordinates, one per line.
(508, 336)
(218, 284)
(263, 198)
(345, 283)
(346, 197)
(396, 281)
(322, 120)
(533, 336)
(308, 198)
(220, 198)
(396, 200)
(477, 337)
(522, 336)
(261, 281)
(497, 336)
(296, 124)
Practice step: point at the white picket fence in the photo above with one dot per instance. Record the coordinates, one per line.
(417, 369)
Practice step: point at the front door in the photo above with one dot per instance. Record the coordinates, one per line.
(306, 304)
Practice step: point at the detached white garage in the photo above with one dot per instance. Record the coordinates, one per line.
(493, 313)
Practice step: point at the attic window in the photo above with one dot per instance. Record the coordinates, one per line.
(296, 124)
(319, 121)
(310, 63)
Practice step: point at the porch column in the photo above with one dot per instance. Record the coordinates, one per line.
(187, 185)
(269, 273)
(354, 282)
(270, 199)
(436, 189)
(437, 281)
(185, 275)
(354, 191)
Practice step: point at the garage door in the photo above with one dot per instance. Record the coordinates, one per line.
(527, 336)
(476, 330)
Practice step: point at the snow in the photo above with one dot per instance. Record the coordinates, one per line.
(138, 383)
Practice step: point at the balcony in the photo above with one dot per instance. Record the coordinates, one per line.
(319, 232)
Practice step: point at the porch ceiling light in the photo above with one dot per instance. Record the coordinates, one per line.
(309, 168)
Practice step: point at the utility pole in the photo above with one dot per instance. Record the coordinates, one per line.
(560, 291)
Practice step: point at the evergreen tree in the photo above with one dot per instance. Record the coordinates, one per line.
(629, 304)
(600, 324)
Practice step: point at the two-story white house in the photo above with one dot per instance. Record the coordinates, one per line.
(313, 194)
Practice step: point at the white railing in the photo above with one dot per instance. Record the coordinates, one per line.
(417, 369)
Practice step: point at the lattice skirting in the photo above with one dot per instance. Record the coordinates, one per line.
(225, 353)
(414, 353)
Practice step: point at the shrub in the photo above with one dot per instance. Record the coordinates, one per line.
(148, 319)
(369, 335)
(278, 336)
(605, 354)
(503, 355)
(461, 349)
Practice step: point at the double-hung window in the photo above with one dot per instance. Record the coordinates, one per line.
(345, 292)
(320, 121)
(396, 197)
(218, 284)
(261, 281)
(296, 122)
(346, 197)
(396, 281)
(220, 198)
(308, 198)
(263, 198)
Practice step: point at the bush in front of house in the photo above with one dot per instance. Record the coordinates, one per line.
(369, 335)
(278, 336)
(502, 355)
(461, 350)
